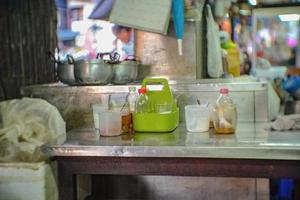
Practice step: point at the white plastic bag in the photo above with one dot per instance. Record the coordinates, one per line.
(214, 52)
(26, 124)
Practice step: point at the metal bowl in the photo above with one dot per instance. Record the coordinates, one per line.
(93, 72)
(65, 69)
(65, 72)
(125, 72)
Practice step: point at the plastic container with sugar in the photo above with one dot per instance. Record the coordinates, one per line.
(197, 118)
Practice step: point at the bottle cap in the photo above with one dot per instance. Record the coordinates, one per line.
(142, 90)
(132, 89)
(224, 91)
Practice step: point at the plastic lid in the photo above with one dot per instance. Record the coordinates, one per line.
(142, 90)
(224, 91)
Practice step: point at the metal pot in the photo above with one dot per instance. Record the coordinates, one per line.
(125, 71)
(65, 69)
(93, 72)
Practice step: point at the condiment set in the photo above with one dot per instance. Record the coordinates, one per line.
(156, 111)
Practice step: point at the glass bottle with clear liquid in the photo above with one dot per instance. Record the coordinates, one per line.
(142, 103)
(131, 98)
(224, 114)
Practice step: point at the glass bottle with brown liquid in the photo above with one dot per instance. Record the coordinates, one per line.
(224, 114)
(127, 110)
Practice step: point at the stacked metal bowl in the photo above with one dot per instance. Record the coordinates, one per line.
(125, 71)
(97, 71)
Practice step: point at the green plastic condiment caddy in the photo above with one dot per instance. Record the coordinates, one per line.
(157, 122)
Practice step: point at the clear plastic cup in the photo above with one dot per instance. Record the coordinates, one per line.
(98, 108)
(163, 108)
(110, 123)
(197, 118)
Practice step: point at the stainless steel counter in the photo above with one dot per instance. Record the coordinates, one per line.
(74, 102)
(251, 141)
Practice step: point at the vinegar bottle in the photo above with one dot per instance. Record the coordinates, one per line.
(132, 97)
(142, 102)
